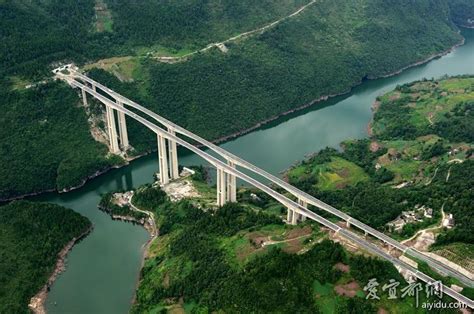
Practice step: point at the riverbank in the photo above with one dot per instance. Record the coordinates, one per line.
(100, 172)
(258, 125)
(124, 201)
(421, 62)
(327, 97)
(83, 182)
(36, 304)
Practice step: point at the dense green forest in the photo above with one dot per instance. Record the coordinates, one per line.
(461, 12)
(422, 139)
(328, 48)
(45, 141)
(203, 276)
(192, 23)
(31, 236)
(211, 260)
(33, 34)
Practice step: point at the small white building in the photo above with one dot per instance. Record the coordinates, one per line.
(448, 222)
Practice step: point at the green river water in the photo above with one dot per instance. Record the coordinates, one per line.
(103, 269)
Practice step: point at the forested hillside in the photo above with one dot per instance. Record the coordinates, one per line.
(192, 23)
(462, 12)
(31, 236)
(35, 33)
(326, 49)
(45, 141)
(241, 258)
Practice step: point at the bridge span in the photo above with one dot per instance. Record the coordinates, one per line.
(227, 173)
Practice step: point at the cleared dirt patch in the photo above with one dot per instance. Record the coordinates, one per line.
(349, 290)
(298, 232)
(293, 246)
(178, 190)
(344, 173)
(374, 146)
(342, 267)
(395, 96)
(245, 251)
(121, 67)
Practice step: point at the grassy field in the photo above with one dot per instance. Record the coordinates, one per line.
(335, 174)
(460, 253)
(245, 245)
(339, 173)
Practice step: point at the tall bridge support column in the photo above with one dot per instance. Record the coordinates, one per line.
(162, 160)
(305, 205)
(122, 123)
(292, 216)
(84, 97)
(289, 215)
(173, 155)
(110, 117)
(221, 187)
(294, 221)
(231, 185)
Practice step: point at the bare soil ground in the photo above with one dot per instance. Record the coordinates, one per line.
(180, 189)
(349, 290)
(342, 267)
(374, 146)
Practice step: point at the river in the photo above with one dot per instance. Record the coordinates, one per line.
(103, 269)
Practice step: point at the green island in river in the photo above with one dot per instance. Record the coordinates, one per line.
(241, 257)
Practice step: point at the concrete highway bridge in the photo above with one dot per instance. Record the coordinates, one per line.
(227, 173)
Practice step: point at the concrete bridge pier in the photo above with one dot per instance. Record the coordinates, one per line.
(173, 156)
(162, 160)
(294, 219)
(112, 128)
(123, 134)
(231, 185)
(221, 187)
(305, 205)
(292, 216)
(84, 97)
(289, 215)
